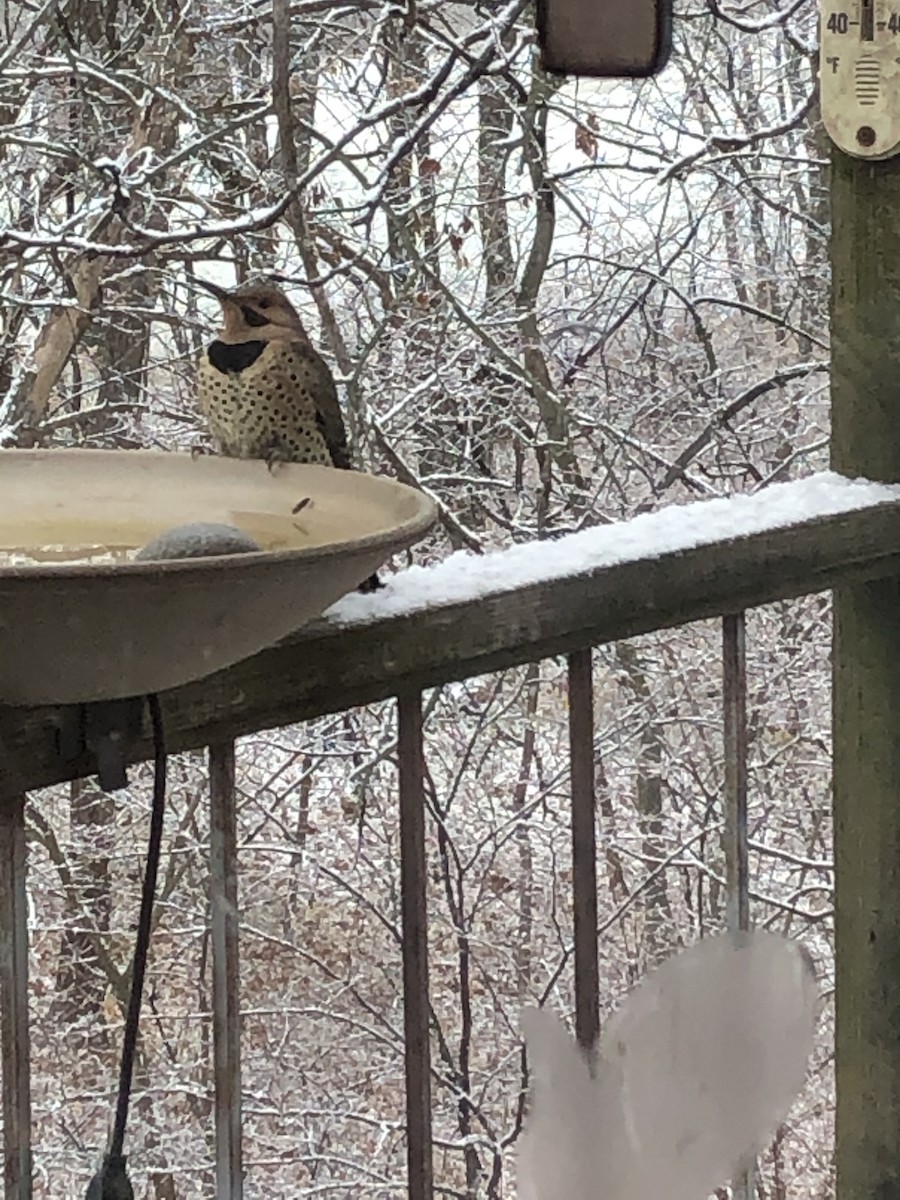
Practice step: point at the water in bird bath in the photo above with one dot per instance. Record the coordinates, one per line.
(32, 556)
(78, 511)
(62, 538)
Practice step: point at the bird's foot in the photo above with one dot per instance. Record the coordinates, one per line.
(201, 452)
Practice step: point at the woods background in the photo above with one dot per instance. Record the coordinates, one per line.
(549, 305)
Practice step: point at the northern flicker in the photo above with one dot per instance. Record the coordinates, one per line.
(265, 390)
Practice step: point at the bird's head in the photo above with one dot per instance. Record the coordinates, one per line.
(256, 312)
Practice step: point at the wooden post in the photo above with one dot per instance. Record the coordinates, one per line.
(865, 252)
(223, 900)
(14, 1036)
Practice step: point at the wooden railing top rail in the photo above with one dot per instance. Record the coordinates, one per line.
(332, 665)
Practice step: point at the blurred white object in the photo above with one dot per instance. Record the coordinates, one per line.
(695, 1071)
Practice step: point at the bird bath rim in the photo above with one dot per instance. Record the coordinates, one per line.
(417, 524)
(410, 529)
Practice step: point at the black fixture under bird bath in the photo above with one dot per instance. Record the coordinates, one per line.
(127, 573)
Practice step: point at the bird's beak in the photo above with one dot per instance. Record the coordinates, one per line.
(220, 293)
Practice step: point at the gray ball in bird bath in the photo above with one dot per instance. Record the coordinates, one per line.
(199, 539)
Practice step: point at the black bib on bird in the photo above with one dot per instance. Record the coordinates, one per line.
(234, 358)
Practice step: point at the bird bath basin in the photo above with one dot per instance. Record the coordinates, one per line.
(81, 620)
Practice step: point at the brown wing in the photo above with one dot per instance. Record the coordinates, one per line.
(329, 417)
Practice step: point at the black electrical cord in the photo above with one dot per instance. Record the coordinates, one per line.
(111, 1181)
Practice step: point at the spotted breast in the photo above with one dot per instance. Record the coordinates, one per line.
(272, 400)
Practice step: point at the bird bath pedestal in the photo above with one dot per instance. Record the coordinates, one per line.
(88, 626)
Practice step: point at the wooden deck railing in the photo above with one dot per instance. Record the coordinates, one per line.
(329, 667)
(326, 668)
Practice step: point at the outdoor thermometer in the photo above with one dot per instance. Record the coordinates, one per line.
(859, 71)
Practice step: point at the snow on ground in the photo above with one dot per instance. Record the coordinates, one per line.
(466, 576)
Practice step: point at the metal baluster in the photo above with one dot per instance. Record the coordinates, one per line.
(223, 899)
(416, 1009)
(737, 873)
(584, 847)
(15, 1043)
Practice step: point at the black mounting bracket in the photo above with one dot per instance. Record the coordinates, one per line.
(104, 729)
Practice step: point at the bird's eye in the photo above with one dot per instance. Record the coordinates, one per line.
(253, 318)
(264, 304)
